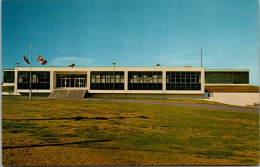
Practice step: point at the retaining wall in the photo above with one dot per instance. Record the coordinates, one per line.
(240, 99)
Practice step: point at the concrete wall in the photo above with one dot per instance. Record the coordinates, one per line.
(240, 99)
(165, 96)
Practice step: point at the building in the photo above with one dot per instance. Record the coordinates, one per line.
(225, 86)
(183, 81)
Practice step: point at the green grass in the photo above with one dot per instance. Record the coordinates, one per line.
(164, 100)
(74, 132)
(36, 94)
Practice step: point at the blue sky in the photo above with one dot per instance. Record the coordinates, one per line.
(133, 33)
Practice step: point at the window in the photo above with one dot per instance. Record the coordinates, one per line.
(97, 78)
(183, 81)
(34, 78)
(40, 80)
(93, 79)
(117, 78)
(103, 79)
(109, 80)
(226, 77)
(145, 80)
(155, 79)
(8, 76)
(20, 80)
(122, 79)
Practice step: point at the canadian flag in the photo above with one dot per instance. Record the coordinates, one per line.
(42, 60)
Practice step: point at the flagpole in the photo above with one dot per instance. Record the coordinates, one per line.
(30, 92)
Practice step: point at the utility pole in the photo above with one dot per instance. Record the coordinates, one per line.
(30, 92)
(201, 58)
(114, 81)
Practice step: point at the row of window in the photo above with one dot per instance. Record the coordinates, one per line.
(183, 86)
(34, 85)
(40, 80)
(144, 77)
(212, 77)
(145, 80)
(107, 86)
(105, 80)
(183, 77)
(136, 80)
(107, 77)
(144, 86)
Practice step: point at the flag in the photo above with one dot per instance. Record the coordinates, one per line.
(42, 60)
(26, 60)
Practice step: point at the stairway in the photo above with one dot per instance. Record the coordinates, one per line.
(76, 94)
(68, 94)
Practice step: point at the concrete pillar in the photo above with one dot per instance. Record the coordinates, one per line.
(164, 81)
(16, 80)
(88, 80)
(202, 80)
(52, 81)
(126, 81)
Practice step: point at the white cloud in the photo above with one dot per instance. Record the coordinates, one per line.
(78, 61)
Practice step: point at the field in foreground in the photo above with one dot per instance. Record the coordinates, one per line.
(73, 132)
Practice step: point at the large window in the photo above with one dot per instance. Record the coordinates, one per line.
(144, 80)
(40, 80)
(183, 80)
(8, 76)
(218, 77)
(107, 80)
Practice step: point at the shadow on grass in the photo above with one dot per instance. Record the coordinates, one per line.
(60, 144)
(78, 118)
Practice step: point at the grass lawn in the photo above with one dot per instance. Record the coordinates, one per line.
(50, 132)
(197, 101)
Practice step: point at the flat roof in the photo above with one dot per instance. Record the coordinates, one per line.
(118, 67)
(8, 69)
(226, 70)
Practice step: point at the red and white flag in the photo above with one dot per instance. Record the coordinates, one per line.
(42, 60)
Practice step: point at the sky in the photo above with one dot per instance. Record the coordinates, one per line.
(133, 33)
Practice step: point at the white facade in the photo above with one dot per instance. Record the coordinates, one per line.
(54, 71)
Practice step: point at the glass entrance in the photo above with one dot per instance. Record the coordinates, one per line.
(65, 82)
(79, 82)
(72, 81)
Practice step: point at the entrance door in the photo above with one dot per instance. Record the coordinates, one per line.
(73, 82)
(65, 82)
(79, 82)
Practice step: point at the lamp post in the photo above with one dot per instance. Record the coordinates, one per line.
(114, 81)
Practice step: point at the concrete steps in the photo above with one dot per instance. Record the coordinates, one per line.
(68, 94)
(76, 94)
(59, 94)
